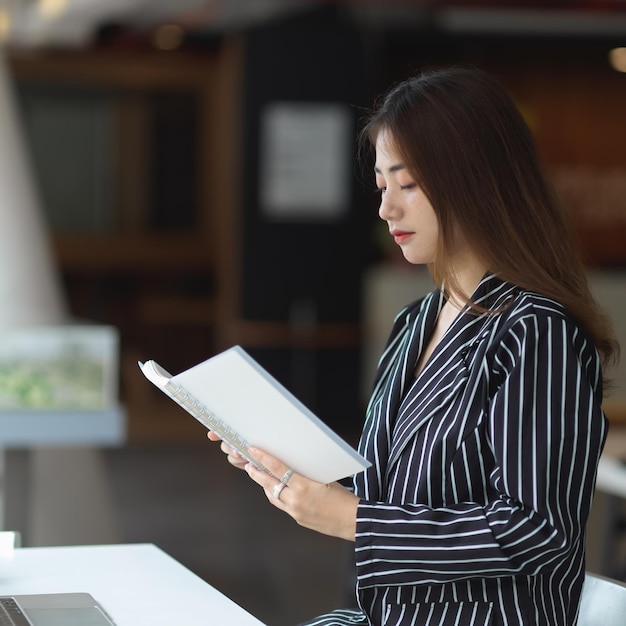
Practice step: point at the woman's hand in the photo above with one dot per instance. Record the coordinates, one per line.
(329, 509)
(234, 458)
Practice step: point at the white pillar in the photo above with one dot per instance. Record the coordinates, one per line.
(30, 291)
(65, 496)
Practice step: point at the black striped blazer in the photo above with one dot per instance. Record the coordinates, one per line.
(483, 468)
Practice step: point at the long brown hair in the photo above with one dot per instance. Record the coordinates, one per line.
(461, 136)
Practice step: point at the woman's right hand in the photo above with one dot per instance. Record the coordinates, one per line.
(234, 458)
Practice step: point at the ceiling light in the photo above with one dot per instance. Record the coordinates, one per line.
(617, 59)
(5, 25)
(51, 9)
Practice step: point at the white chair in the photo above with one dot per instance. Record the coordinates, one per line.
(603, 602)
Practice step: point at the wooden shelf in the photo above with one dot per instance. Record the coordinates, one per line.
(115, 69)
(603, 246)
(132, 254)
(181, 310)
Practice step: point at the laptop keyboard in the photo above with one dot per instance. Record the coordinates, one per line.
(11, 614)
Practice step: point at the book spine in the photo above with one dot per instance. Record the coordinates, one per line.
(212, 422)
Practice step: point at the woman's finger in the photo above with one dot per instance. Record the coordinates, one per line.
(233, 457)
(275, 481)
(275, 467)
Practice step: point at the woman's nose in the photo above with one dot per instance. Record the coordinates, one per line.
(387, 208)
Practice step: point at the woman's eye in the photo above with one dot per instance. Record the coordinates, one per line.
(409, 186)
(380, 190)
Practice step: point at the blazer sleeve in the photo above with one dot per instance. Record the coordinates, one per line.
(545, 430)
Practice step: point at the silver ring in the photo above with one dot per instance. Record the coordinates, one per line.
(286, 477)
(277, 488)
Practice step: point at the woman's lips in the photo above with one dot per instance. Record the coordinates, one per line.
(400, 236)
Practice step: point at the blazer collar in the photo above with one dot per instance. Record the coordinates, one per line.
(491, 294)
(416, 400)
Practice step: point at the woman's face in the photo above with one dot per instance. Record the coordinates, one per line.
(404, 206)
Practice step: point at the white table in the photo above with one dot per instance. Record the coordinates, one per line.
(137, 584)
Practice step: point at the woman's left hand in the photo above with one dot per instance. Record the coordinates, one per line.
(326, 508)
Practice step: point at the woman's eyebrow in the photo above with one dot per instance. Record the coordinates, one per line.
(393, 168)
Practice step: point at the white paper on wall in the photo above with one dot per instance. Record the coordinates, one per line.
(305, 161)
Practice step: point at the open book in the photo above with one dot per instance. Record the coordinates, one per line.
(232, 395)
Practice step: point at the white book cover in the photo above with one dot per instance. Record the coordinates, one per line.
(256, 410)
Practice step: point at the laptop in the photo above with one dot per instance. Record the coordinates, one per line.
(52, 609)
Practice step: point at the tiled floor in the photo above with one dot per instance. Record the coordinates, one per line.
(187, 500)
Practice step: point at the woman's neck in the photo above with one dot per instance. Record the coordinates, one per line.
(468, 271)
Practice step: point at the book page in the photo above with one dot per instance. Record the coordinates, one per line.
(264, 413)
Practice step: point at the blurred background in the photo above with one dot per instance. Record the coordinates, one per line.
(196, 174)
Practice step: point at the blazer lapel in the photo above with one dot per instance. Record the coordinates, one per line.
(395, 375)
(445, 374)
(397, 364)
(436, 386)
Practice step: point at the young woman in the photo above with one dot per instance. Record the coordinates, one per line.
(485, 425)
